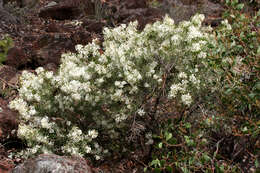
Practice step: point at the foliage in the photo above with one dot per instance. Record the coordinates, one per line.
(199, 142)
(100, 87)
(201, 146)
(235, 59)
(5, 44)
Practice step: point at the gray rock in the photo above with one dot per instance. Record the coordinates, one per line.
(50, 4)
(181, 10)
(50, 163)
(8, 122)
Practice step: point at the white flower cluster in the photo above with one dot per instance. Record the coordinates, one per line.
(107, 84)
(77, 138)
(226, 24)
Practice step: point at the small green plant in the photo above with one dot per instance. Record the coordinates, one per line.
(188, 146)
(5, 44)
(154, 3)
(235, 60)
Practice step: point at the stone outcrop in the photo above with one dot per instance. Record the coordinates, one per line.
(8, 122)
(47, 163)
(181, 10)
(16, 57)
(68, 9)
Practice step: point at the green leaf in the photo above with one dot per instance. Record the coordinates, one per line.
(168, 136)
(258, 51)
(145, 169)
(188, 125)
(227, 1)
(157, 170)
(258, 13)
(228, 91)
(252, 95)
(155, 163)
(163, 163)
(172, 141)
(256, 163)
(256, 133)
(169, 169)
(160, 145)
(240, 6)
(242, 34)
(206, 158)
(257, 86)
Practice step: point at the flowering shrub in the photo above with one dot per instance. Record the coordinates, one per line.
(5, 44)
(96, 89)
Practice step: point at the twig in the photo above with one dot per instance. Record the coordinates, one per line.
(217, 145)
(11, 85)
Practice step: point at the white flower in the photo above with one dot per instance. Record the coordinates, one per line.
(68, 123)
(175, 88)
(37, 97)
(39, 70)
(92, 133)
(194, 80)
(51, 130)
(117, 83)
(20, 105)
(185, 23)
(46, 150)
(141, 112)
(226, 24)
(45, 123)
(97, 157)
(79, 47)
(159, 80)
(186, 99)
(197, 19)
(168, 21)
(175, 39)
(88, 149)
(195, 47)
(155, 76)
(23, 131)
(146, 85)
(76, 96)
(202, 55)
(35, 149)
(182, 75)
(96, 145)
(194, 32)
(49, 74)
(32, 111)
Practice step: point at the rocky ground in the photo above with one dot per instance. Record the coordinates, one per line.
(44, 29)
